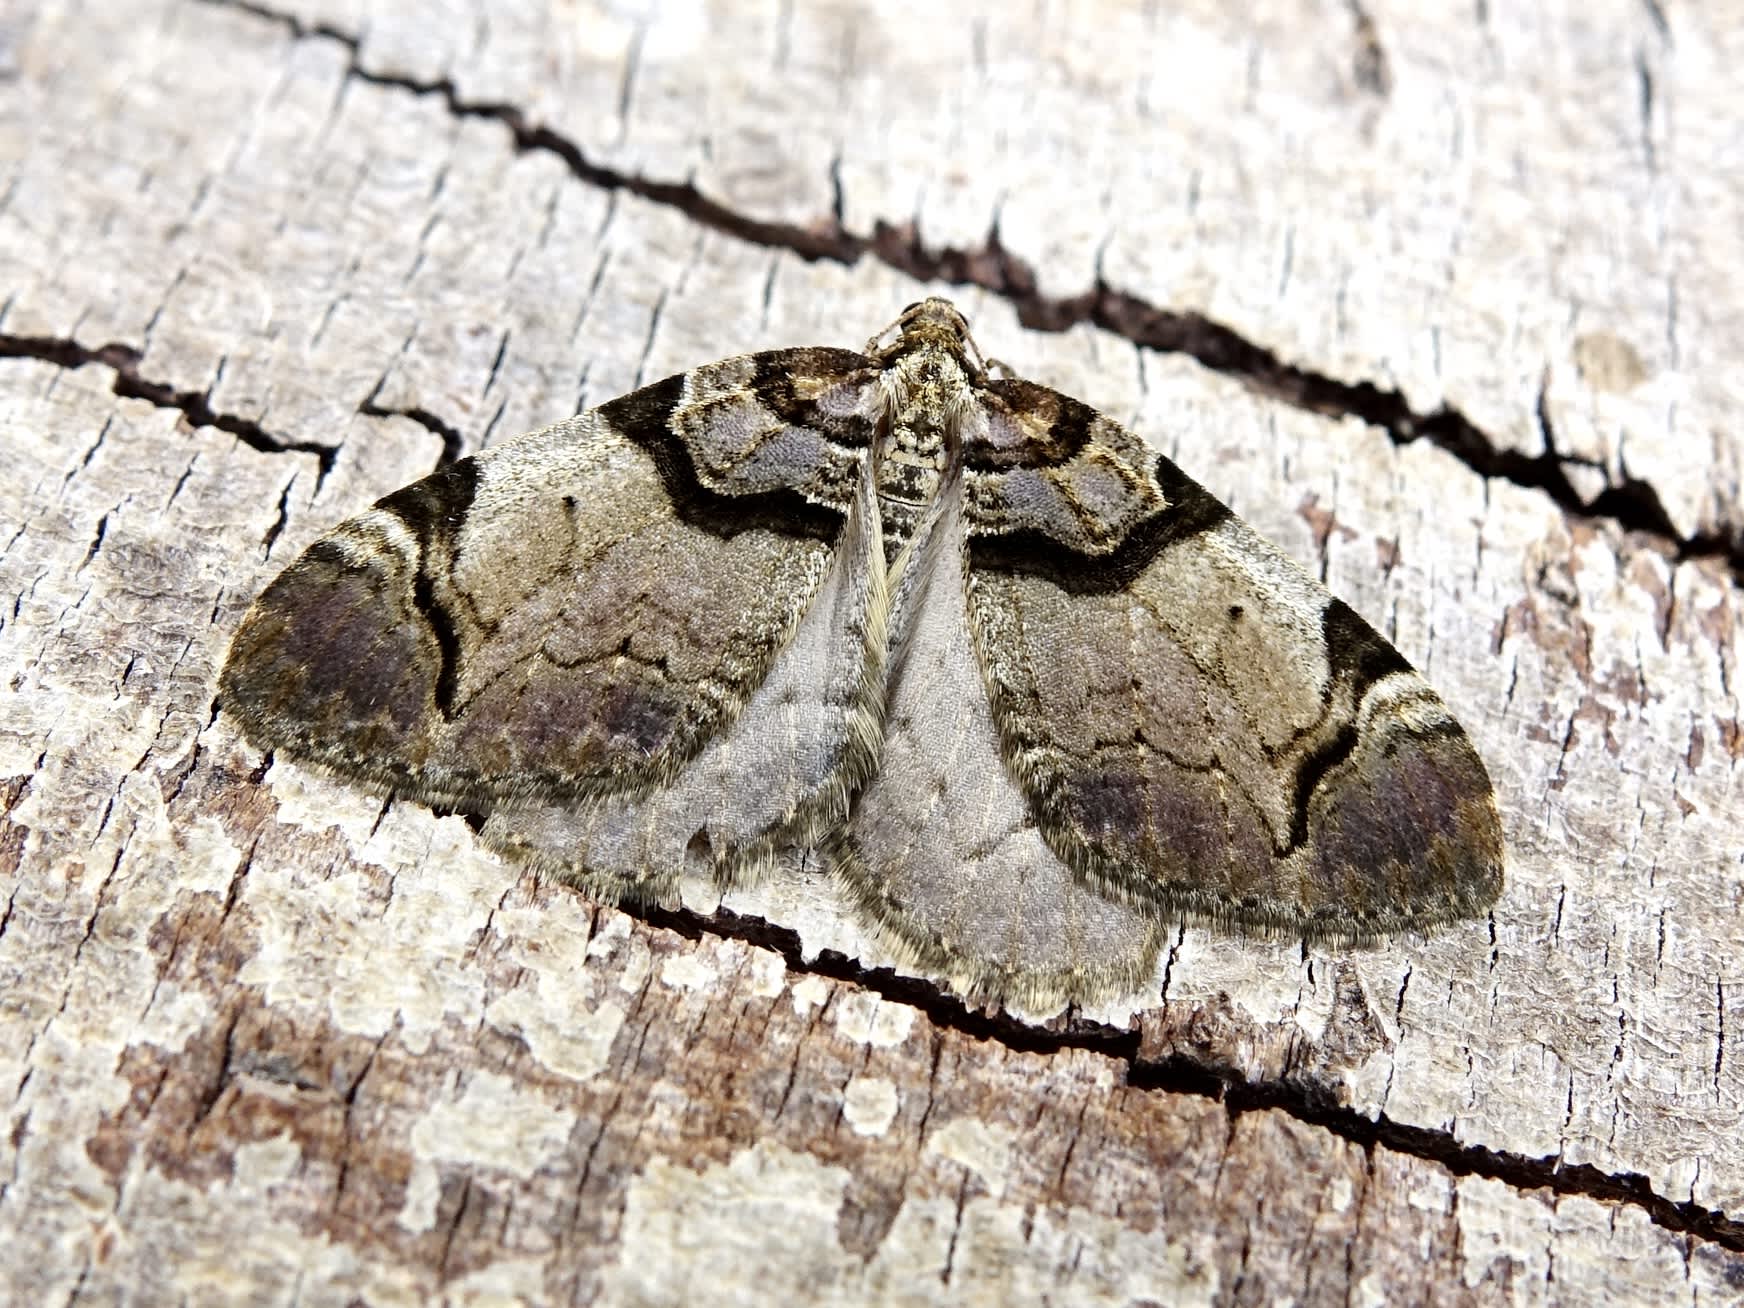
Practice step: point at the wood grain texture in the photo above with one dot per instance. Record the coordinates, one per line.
(1445, 303)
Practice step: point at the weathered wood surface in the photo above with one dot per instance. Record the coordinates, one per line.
(1449, 303)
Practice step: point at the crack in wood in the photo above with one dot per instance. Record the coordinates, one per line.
(196, 406)
(1180, 1075)
(1630, 502)
(452, 442)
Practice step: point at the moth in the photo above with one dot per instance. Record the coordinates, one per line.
(1026, 689)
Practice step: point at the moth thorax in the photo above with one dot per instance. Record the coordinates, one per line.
(926, 395)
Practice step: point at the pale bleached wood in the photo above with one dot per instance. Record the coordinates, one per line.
(269, 1042)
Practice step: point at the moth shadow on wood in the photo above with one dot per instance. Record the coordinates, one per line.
(1031, 693)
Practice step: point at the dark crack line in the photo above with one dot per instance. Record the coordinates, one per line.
(452, 442)
(195, 406)
(1632, 504)
(1178, 1074)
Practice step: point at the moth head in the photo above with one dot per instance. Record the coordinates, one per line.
(932, 323)
(935, 309)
